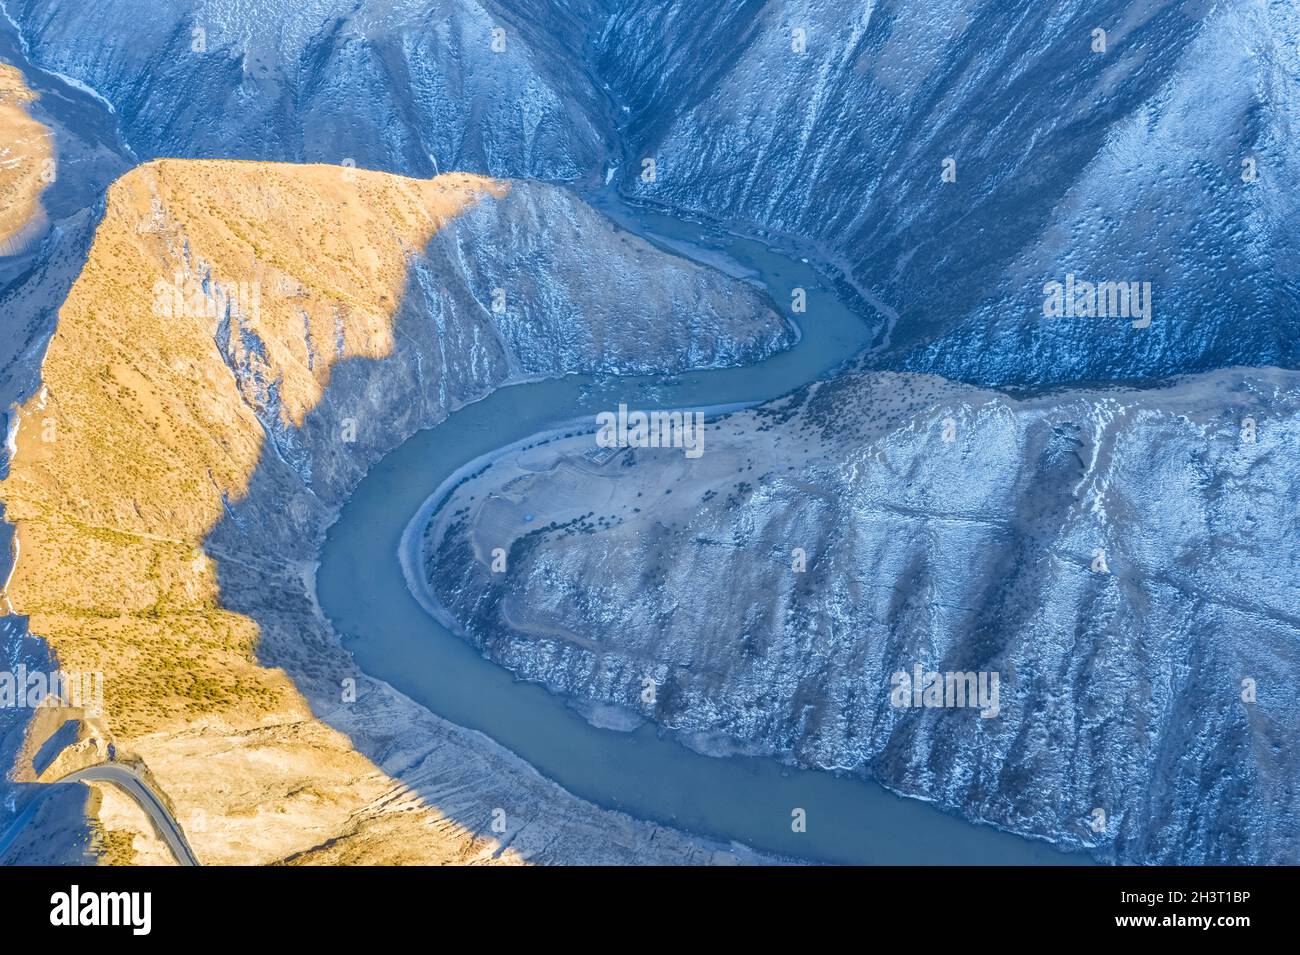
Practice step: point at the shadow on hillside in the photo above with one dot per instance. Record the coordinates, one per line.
(265, 546)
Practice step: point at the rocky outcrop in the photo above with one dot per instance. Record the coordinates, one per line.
(244, 341)
(1121, 559)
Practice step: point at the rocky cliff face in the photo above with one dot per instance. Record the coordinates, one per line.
(410, 86)
(1121, 559)
(831, 122)
(1120, 165)
(826, 121)
(244, 340)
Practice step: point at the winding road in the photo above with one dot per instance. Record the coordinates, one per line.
(131, 783)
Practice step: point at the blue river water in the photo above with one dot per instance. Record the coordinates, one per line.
(645, 772)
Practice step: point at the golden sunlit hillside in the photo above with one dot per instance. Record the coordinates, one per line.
(26, 161)
(128, 455)
(124, 458)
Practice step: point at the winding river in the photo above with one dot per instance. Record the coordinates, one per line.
(646, 772)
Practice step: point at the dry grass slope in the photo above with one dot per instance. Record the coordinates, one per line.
(124, 460)
(24, 157)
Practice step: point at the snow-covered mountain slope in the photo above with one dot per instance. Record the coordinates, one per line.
(1123, 561)
(411, 86)
(1159, 153)
(1122, 165)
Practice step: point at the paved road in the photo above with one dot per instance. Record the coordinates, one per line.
(127, 780)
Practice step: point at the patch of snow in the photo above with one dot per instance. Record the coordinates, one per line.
(88, 90)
